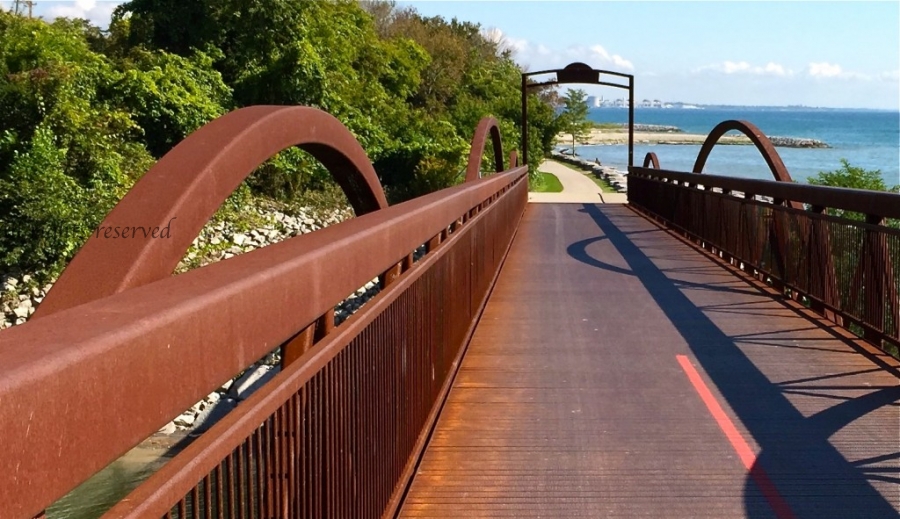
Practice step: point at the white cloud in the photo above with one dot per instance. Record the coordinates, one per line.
(742, 67)
(824, 69)
(892, 75)
(730, 67)
(98, 13)
(538, 56)
(613, 59)
(492, 34)
(516, 45)
(828, 70)
(776, 69)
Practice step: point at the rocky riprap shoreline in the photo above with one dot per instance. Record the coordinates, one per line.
(672, 135)
(797, 142)
(617, 179)
(655, 128)
(21, 295)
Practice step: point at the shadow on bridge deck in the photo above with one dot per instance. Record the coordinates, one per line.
(572, 402)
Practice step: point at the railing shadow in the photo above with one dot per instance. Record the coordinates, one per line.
(796, 453)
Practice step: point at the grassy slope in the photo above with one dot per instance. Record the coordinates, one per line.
(548, 184)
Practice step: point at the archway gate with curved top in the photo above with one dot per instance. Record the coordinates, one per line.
(547, 360)
(584, 74)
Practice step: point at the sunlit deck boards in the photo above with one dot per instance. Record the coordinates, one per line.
(570, 401)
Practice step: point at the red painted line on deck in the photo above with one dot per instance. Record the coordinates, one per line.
(748, 457)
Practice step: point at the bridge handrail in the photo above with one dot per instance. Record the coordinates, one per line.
(60, 373)
(783, 233)
(876, 203)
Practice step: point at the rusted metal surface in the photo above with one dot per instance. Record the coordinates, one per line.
(185, 188)
(200, 329)
(334, 433)
(487, 126)
(759, 139)
(570, 401)
(651, 160)
(844, 266)
(856, 200)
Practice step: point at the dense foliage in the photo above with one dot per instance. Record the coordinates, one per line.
(855, 178)
(87, 111)
(852, 177)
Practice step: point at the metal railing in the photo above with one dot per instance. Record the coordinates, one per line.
(837, 248)
(338, 431)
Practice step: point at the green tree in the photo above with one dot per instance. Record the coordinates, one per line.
(68, 152)
(86, 111)
(855, 178)
(169, 96)
(574, 116)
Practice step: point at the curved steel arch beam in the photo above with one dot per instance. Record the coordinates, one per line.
(650, 160)
(180, 193)
(485, 125)
(759, 139)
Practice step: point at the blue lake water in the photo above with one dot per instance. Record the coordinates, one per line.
(866, 138)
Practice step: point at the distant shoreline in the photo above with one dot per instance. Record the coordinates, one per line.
(601, 137)
(759, 108)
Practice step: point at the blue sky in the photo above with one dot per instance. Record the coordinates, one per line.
(834, 54)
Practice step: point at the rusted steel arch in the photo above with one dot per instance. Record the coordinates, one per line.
(651, 161)
(513, 159)
(487, 125)
(780, 234)
(759, 139)
(180, 193)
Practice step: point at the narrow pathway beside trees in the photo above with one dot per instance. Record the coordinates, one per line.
(577, 188)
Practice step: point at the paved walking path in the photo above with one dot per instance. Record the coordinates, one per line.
(618, 373)
(577, 188)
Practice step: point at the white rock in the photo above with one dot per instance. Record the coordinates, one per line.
(11, 282)
(239, 239)
(21, 311)
(20, 320)
(26, 278)
(252, 380)
(169, 428)
(185, 419)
